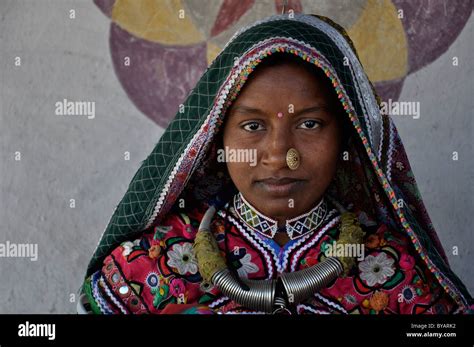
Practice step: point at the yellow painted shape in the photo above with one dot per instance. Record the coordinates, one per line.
(380, 40)
(157, 21)
(212, 51)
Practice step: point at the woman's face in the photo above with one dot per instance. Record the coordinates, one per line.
(282, 107)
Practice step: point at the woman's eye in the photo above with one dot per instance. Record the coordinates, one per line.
(252, 126)
(310, 124)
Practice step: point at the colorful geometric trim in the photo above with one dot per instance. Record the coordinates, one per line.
(295, 227)
(229, 92)
(101, 302)
(90, 297)
(117, 283)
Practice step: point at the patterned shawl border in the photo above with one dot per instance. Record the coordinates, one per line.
(326, 28)
(195, 146)
(309, 54)
(227, 93)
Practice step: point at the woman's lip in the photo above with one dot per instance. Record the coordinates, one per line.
(279, 181)
(285, 187)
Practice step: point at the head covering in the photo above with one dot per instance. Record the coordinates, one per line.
(377, 178)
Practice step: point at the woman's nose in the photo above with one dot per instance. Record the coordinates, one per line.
(278, 140)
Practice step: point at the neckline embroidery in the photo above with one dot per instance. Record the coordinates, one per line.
(295, 227)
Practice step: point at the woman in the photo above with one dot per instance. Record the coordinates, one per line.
(281, 188)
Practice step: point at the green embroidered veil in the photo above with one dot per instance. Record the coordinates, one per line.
(377, 178)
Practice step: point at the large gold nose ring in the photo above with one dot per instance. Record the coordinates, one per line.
(292, 159)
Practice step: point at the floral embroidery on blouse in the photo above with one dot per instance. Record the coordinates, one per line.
(389, 279)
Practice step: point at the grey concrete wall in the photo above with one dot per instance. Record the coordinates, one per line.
(65, 158)
(445, 93)
(62, 158)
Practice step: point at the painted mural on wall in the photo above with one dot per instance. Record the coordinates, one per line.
(158, 56)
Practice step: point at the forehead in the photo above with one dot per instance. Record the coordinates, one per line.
(277, 86)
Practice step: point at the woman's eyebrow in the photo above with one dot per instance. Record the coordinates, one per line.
(315, 108)
(246, 109)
